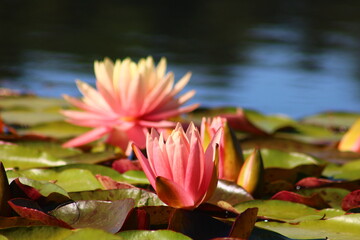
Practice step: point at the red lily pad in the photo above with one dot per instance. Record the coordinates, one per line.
(312, 182)
(352, 200)
(315, 200)
(29, 209)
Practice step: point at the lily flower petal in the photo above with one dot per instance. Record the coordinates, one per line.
(130, 98)
(181, 172)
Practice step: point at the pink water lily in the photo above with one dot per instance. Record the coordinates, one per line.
(130, 98)
(181, 172)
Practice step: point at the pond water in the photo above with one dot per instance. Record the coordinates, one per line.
(281, 56)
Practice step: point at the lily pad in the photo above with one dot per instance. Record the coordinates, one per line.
(71, 180)
(279, 159)
(152, 235)
(286, 211)
(141, 197)
(95, 214)
(25, 157)
(346, 227)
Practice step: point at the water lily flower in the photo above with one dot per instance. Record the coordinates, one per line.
(351, 139)
(130, 98)
(182, 173)
(230, 154)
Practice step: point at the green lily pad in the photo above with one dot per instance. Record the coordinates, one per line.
(32, 103)
(52, 148)
(268, 123)
(36, 233)
(135, 177)
(71, 180)
(27, 118)
(337, 120)
(45, 188)
(348, 171)
(141, 197)
(333, 196)
(26, 157)
(152, 235)
(56, 129)
(95, 169)
(346, 227)
(279, 159)
(92, 234)
(286, 211)
(56, 233)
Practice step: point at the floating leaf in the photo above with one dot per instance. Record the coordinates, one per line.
(52, 148)
(352, 200)
(27, 118)
(71, 180)
(56, 129)
(36, 233)
(105, 215)
(346, 227)
(333, 196)
(244, 224)
(29, 209)
(24, 157)
(333, 120)
(286, 211)
(152, 235)
(141, 197)
(314, 201)
(229, 192)
(32, 103)
(280, 159)
(5, 193)
(92, 234)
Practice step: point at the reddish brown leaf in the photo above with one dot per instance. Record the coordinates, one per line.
(109, 183)
(244, 224)
(124, 165)
(238, 121)
(312, 182)
(314, 201)
(5, 193)
(8, 222)
(29, 209)
(30, 192)
(138, 219)
(352, 200)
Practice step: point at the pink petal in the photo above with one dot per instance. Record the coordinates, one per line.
(160, 124)
(137, 134)
(173, 194)
(170, 113)
(92, 97)
(87, 137)
(119, 138)
(145, 165)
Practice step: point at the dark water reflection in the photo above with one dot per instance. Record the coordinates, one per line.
(280, 56)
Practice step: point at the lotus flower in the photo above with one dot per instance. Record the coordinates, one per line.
(181, 172)
(230, 154)
(130, 98)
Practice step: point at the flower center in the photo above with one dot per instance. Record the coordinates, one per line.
(127, 119)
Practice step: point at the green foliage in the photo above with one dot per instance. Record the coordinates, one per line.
(78, 188)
